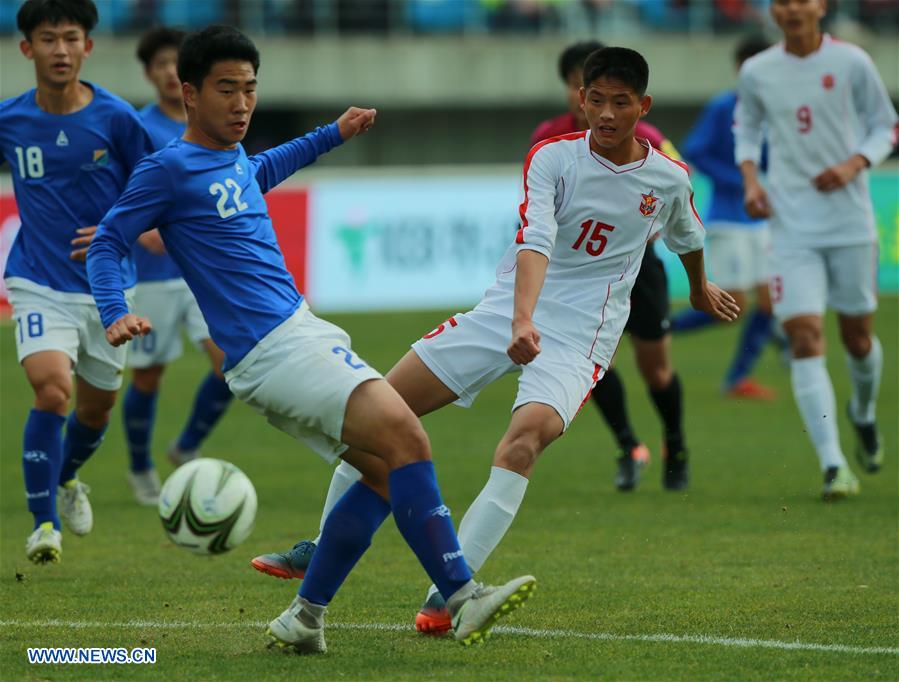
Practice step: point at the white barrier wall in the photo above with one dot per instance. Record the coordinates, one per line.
(395, 243)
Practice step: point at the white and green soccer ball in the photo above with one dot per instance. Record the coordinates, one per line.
(207, 506)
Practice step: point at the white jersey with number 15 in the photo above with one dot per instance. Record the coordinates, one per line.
(593, 221)
(819, 111)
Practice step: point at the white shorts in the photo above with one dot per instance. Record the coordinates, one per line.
(300, 377)
(468, 352)
(46, 321)
(805, 281)
(737, 257)
(171, 307)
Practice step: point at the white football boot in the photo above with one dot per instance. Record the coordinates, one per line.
(44, 545)
(300, 627)
(75, 508)
(145, 486)
(177, 456)
(475, 616)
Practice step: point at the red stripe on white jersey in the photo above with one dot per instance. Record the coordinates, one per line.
(679, 163)
(523, 207)
(693, 208)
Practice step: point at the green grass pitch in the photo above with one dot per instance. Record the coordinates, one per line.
(749, 553)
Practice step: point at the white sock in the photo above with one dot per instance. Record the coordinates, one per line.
(489, 516)
(865, 375)
(814, 395)
(342, 480)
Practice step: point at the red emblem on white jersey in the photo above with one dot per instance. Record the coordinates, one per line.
(648, 205)
(828, 81)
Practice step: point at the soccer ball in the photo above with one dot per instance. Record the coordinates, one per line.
(207, 506)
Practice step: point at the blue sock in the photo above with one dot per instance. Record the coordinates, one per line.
(689, 320)
(41, 460)
(80, 443)
(346, 535)
(756, 332)
(139, 414)
(425, 524)
(212, 399)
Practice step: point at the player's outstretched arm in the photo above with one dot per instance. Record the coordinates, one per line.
(704, 295)
(529, 275)
(274, 166)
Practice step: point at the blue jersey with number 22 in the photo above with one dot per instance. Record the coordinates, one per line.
(209, 208)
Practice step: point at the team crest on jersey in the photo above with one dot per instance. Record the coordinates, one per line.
(101, 160)
(828, 81)
(238, 169)
(62, 140)
(648, 204)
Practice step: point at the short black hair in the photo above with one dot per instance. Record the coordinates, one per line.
(156, 39)
(573, 57)
(33, 13)
(749, 47)
(620, 63)
(201, 49)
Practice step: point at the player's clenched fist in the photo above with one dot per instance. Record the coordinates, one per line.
(355, 121)
(525, 344)
(126, 328)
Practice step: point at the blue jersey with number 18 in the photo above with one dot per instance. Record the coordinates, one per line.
(67, 171)
(209, 209)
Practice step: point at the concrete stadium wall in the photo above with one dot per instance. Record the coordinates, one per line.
(432, 73)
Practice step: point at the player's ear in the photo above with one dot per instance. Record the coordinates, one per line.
(645, 104)
(189, 95)
(25, 47)
(582, 95)
(88, 46)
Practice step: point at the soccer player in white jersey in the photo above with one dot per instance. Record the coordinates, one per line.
(71, 146)
(592, 202)
(828, 118)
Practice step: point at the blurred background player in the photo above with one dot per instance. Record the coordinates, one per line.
(648, 324)
(536, 319)
(163, 296)
(828, 119)
(71, 146)
(737, 245)
(206, 196)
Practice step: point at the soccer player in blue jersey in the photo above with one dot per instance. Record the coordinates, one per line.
(163, 296)
(206, 197)
(736, 244)
(71, 146)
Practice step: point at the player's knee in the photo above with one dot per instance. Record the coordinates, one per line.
(518, 454)
(658, 377)
(52, 396)
(96, 412)
(806, 342)
(147, 380)
(856, 341)
(406, 440)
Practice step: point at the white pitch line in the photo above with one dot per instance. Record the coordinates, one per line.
(739, 642)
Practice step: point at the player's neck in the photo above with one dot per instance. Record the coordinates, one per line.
(66, 99)
(174, 109)
(629, 151)
(803, 46)
(195, 135)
